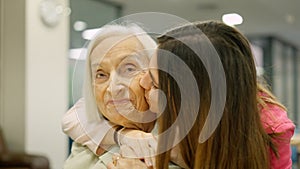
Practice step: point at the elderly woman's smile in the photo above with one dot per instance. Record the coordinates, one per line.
(118, 101)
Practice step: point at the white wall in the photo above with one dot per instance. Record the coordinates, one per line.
(33, 80)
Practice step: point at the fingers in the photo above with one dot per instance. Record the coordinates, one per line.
(150, 159)
(148, 162)
(100, 151)
(115, 159)
(140, 149)
(139, 145)
(144, 151)
(153, 153)
(111, 166)
(114, 163)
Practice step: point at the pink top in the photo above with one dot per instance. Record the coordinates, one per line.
(275, 120)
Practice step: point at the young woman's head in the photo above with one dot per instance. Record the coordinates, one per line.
(239, 140)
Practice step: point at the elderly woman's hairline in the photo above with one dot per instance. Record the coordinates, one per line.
(123, 31)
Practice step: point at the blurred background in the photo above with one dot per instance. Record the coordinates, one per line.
(41, 42)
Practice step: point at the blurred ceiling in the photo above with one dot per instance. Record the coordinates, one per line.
(279, 18)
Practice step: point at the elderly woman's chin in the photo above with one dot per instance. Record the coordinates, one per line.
(132, 124)
(130, 115)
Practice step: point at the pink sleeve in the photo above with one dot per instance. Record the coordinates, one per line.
(90, 135)
(284, 148)
(275, 120)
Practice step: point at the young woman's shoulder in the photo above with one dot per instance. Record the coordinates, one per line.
(275, 119)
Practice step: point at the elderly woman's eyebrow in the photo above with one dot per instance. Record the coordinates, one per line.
(133, 56)
(95, 66)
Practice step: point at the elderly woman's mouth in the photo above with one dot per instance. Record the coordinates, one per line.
(118, 101)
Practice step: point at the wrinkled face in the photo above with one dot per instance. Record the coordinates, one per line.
(149, 82)
(117, 65)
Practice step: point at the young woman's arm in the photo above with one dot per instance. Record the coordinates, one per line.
(97, 138)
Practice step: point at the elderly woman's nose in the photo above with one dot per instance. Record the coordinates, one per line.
(145, 81)
(115, 84)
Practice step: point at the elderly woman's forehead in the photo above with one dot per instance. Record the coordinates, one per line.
(116, 43)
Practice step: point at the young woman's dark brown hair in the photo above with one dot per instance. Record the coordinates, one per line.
(239, 141)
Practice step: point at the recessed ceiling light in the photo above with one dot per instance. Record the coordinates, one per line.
(80, 25)
(232, 19)
(290, 18)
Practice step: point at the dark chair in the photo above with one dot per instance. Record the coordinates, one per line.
(11, 160)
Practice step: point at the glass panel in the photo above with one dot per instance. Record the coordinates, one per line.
(298, 87)
(258, 58)
(278, 70)
(98, 14)
(290, 82)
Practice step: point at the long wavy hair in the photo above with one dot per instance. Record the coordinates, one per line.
(239, 141)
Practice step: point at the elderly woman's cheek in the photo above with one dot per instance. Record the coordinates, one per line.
(137, 95)
(99, 95)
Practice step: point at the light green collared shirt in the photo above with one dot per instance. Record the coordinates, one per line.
(83, 158)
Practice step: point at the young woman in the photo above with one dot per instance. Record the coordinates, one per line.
(253, 131)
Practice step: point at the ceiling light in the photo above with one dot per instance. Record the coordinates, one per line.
(232, 19)
(290, 18)
(79, 26)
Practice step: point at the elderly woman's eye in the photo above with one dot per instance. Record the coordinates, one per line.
(128, 69)
(101, 75)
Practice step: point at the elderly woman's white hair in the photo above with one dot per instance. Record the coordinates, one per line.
(106, 32)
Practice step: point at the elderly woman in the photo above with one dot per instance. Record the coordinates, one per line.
(113, 99)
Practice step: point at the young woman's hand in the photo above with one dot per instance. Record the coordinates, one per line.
(138, 144)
